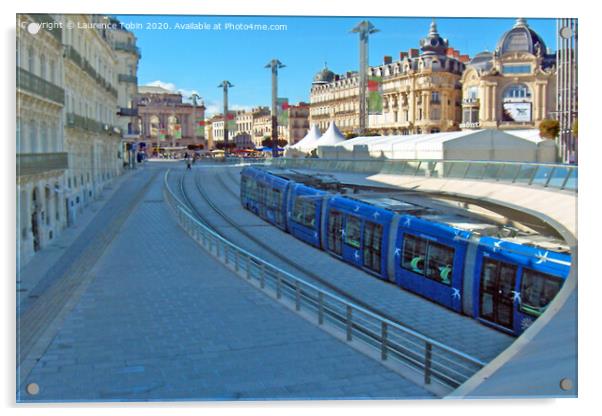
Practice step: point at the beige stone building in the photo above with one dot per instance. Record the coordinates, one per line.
(165, 120)
(298, 123)
(92, 134)
(127, 55)
(68, 131)
(513, 87)
(42, 160)
(421, 92)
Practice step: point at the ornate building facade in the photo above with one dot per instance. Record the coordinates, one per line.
(68, 130)
(513, 87)
(165, 120)
(421, 92)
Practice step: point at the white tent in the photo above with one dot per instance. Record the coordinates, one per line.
(309, 142)
(332, 136)
(458, 145)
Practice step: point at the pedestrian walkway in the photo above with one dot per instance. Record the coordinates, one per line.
(162, 320)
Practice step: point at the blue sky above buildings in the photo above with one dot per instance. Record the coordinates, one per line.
(192, 59)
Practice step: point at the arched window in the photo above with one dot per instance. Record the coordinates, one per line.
(516, 91)
(154, 126)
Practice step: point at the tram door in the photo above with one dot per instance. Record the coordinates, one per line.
(497, 292)
(335, 231)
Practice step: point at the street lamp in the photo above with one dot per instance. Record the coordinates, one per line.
(364, 28)
(225, 85)
(275, 64)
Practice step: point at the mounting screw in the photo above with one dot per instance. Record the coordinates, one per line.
(33, 389)
(566, 384)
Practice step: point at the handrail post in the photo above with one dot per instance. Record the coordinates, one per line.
(428, 355)
(226, 248)
(550, 176)
(297, 296)
(320, 308)
(383, 341)
(236, 260)
(566, 178)
(533, 175)
(349, 317)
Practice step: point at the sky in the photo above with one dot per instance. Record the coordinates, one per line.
(197, 59)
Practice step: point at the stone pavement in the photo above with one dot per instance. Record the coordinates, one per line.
(457, 331)
(162, 320)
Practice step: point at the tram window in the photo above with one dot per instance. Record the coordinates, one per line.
(440, 260)
(261, 193)
(414, 253)
(335, 226)
(353, 231)
(304, 212)
(372, 245)
(537, 291)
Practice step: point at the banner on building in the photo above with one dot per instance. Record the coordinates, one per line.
(162, 134)
(177, 131)
(283, 111)
(520, 112)
(375, 95)
(199, 124)
(231, 120)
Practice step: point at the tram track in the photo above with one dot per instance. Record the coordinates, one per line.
(259, 243)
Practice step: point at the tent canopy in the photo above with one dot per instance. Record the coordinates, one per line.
(332, 136)
(309, 142)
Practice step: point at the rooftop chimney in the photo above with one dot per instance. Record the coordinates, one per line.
(403, 55)
(413, 53)
(464, 58)
(387, 59)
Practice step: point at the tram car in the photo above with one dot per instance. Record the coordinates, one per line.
(472, 266)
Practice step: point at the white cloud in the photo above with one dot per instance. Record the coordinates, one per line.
(186, 94)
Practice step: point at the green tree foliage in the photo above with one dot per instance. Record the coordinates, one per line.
(575, 129)
(549, 129)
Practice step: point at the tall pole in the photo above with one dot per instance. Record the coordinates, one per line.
(225, 85)
(364, 28)
(275, 64)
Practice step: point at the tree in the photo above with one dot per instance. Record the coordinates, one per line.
(549, 129)
(350, 136)
(575, 129)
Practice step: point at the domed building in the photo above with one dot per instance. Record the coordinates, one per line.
(513, 87)
(420, 92)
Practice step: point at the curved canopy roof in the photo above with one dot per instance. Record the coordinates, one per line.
(332, 136)
(309, 142)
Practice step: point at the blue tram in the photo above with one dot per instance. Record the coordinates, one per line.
(453, 260)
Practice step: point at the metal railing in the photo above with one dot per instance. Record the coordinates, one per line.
(74, 55)
(49, 24)
(436, 365)
(37, 163)
(37, 85)
(128, 78)
(85, 123)
(547, 175)
(127, 47)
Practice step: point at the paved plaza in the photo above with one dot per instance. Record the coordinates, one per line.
(159, 319)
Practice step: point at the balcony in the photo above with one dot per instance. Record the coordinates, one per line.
(470, 101)
(127, 47)
(49, 24)
(128, 78)
(74, 56)
(88, 124)
(36, 85)
(37, 163)
(127, 112)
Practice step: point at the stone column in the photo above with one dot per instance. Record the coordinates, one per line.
(493, 102)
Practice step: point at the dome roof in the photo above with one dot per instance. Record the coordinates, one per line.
(483, 61)
(521, 38)
(433, 43)
(324, 76)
